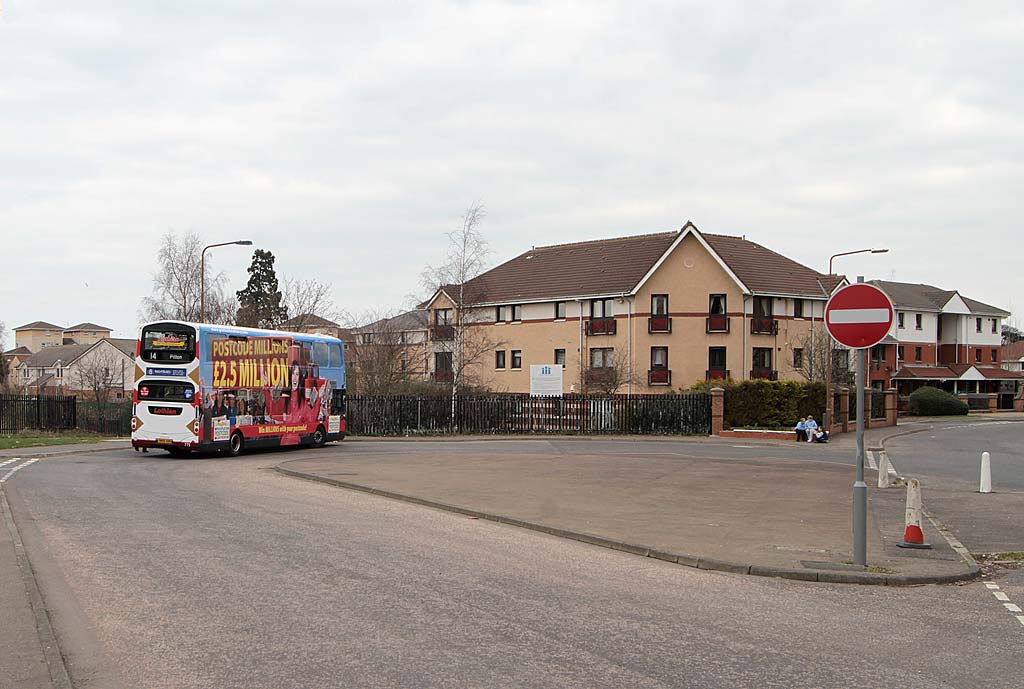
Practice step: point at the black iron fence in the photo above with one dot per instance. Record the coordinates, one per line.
(43, 413)
(878, 406)
(687, 414)
(105, 418)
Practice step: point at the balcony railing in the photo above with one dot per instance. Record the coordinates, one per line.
(764, 326)
(442, 376)
(659, 376)
(442, 333)
(601, 326)
(659, 324)
(718, 324)
(763, 374)
(716, 374)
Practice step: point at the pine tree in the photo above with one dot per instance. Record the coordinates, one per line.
(259, 304)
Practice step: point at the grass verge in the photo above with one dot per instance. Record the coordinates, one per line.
(38, 439)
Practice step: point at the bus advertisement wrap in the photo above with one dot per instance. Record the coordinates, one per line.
(264, 385)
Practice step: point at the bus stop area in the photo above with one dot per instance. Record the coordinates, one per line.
(780, 509)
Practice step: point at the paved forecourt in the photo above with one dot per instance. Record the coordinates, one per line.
(719, 505)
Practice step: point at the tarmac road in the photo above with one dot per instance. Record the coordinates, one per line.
(222, 573)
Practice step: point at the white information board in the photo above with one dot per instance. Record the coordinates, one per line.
(545, 380)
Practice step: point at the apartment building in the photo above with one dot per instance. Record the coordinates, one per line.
(1013, 356)
(941, 338)
(650, 312)
(391, 349)
(39, 334)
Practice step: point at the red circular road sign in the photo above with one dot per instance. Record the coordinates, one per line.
(859, 316)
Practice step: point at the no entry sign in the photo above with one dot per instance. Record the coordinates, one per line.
(859, 316)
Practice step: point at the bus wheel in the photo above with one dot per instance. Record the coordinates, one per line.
(319, 437)
(235, 444)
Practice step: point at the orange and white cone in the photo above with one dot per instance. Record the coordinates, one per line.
(913, 536)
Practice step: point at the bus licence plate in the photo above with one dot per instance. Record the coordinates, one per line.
(163, 441)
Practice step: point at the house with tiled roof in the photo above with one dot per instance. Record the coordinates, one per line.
(941, 337)
(38, 334)
(1012, 358)
(104, 366)
(671, 308)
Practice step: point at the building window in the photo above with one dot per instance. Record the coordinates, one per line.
(798, 308)
(899, 352)
(510, 313)
(716, 304)
(878, 354)
(798, 357)
(917, 321)
(763, 358)
(977, 356)
(602, 357)
(841, 359)
(517, 358)
(559, 310)
(659, 304)
(403, 361)
(899, 320)
(659, 357)
(977, 325)
(499, 359)
(995, 356)
(716, 358)
(442, 361)
(560, 357)
(762, 307)
(442, 316)
(995, 326)
(601, 308)
(917, 353)
(60, 372)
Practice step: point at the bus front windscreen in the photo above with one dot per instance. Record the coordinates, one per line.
(169, 345)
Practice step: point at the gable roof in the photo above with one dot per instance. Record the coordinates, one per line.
(956, 371)
(308, 320)
(18, 351)
(48, 356)
(125, 344)
(921, 297)
(85, 326)
(417, 319)
(1013, 351)
(38, 325)
(607, 267)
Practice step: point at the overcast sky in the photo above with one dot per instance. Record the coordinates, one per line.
(347, 138)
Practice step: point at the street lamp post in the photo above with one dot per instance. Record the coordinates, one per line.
(828, 373)
(202, 273)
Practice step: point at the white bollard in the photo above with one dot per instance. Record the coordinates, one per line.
(883, 470)
(986, 473)
(913, 535)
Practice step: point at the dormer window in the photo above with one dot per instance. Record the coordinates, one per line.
(917, 321)
(899, 320)
(977, 325)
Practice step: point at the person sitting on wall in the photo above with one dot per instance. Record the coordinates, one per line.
(801, 429)
(810, 426)
(821, 436)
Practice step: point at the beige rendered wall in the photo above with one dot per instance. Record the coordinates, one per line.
(37, 339)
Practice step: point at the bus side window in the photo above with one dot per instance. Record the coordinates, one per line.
(336, 359)
(320, 354)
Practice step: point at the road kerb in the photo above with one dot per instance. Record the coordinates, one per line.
(704, 563)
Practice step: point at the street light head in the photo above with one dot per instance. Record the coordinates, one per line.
(246, 242)
(879, 251)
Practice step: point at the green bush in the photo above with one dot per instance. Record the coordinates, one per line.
(768, 403)
(929, 401)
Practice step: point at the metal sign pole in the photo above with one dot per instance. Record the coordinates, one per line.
(860, 489)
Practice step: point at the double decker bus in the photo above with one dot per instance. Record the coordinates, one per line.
(202, 387)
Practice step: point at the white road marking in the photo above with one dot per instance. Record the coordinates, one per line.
(1020, 618)
(859, 316)
(16, 459)
(871, 459)
(16, 468)
(991, 586)
(1012, 607)
(1000, 595)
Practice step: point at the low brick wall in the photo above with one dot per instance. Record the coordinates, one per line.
(753, 434)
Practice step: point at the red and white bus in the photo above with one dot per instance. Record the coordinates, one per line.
(202, 387)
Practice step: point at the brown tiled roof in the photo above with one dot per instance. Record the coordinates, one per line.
(308, 320)
(38, 325)
(48, 356)
(417, 319)
(616, 266)
(85, 326)
(1011, 352)
(18, 351)
(954, 371)
(907, 295)
(940, 372)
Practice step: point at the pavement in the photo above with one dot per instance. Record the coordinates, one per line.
(767, 508)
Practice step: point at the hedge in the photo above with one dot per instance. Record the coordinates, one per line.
(768, 403)
(929, 401)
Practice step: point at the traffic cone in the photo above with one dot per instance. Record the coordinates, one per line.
(913, 536)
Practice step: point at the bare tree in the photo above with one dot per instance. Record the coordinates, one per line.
(99, 373)
(5, 369)
(177, 284)
(608, 375)
(813, 364)
(465, 259)
(305, 300)
(387, 354)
